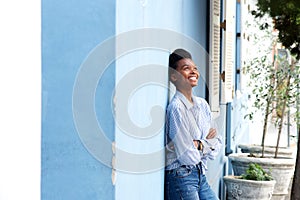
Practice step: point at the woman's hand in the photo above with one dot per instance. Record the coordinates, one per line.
(212, 133)
(196, 143)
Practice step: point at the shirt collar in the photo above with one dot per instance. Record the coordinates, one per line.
(184, 100)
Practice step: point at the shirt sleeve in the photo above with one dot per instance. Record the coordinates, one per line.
(211, 147)
(179, 135)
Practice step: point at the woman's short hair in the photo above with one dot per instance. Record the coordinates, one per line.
(177, 55)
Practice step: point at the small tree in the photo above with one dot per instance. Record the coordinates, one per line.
(262, 77)
(287, 80)
(260, 67)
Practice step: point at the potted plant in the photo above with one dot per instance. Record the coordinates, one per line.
(273, 82)
(254, 184)
(282, 170)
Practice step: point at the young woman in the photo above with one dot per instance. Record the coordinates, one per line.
(190, 140)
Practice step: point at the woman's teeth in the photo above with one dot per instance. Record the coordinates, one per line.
(193, 78)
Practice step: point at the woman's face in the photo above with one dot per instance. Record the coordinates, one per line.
(188, 72)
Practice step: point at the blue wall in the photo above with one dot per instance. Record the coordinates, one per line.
(70, 30)
(185, 22)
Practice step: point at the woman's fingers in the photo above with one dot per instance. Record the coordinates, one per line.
(211, 134)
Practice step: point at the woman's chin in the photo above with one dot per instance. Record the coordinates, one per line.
(194, 84)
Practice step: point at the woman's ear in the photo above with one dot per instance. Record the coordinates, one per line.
(173, 77)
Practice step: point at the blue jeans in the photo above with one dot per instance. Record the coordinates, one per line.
(187, 183)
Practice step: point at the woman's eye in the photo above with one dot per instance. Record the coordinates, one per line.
(189, 68)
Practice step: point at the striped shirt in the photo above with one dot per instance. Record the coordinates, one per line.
(187, 122)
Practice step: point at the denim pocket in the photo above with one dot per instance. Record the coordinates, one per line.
(182, 172)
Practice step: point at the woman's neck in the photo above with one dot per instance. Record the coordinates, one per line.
(187, 93)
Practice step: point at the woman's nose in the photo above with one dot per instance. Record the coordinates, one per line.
(194, 71)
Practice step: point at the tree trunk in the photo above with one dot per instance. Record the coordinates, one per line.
(265, 128)
(295, 194)
(269, 101)
(287, 90)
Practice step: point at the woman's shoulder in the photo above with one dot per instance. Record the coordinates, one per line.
(201, 101)
(203, 104)
(175, 104)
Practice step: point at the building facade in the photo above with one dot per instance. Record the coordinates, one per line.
(105, 89)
